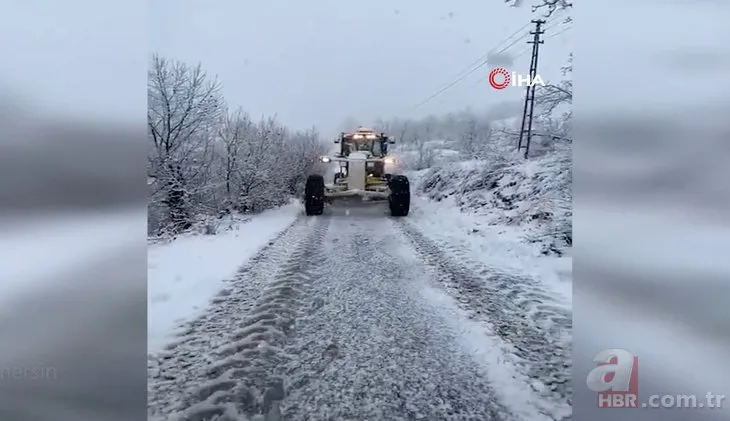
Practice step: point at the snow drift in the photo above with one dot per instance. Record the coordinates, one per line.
(509, 190)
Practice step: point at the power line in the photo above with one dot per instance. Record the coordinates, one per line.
(530, 95)
(483, 61)
(476, 65)
(526, 50)
(486, 56)
(459, 79)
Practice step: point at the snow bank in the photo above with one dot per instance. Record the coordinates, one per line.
(535, 194)
(512, 387)
(185, 274)
(432, 153)
(502, 247)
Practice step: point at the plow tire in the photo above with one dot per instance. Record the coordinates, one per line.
(400, 195)
(314, 195)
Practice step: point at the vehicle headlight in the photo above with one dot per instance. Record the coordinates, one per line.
(389, 160)
(324, 159)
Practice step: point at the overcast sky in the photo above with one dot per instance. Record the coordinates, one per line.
(663, 63)
(320, 61)
(50, 60)
(312, 63)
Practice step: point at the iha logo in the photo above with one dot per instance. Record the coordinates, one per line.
(500, 78)
(616, 379)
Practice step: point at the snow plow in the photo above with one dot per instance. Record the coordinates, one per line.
(365, 173)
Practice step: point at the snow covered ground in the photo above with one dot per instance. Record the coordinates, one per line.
(454, 312)
(353, 315)
(513, 213)
(502, 247)
(185, 274)
(532, 197)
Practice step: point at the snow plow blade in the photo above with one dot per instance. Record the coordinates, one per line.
(365, 195)
(355, 198)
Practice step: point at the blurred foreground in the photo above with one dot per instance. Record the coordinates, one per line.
(73, 292)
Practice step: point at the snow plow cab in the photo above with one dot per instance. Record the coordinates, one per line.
(365, 172)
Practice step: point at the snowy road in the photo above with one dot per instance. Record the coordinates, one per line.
(358, 316)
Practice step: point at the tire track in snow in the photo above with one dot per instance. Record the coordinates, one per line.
(516, 307)
(224, 368)
(370, 348)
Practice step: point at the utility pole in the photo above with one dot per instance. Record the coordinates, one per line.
(530, 94)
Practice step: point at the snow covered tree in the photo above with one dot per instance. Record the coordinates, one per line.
(400, 129)
(548, 7)
(183, 107)
(551, 96)
(206, 160)
(424, 153)
(235, 128)
(382, 126)
(469, 139)
(474, 137)
(554, 104)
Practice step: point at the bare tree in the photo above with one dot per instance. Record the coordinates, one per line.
(449, 124)
(256, 166)
(236, 128)
(550, 96)
(401, 129)
(300, 158)
(553, 125)
(206, 160)
(183, 108)
(548, 6)
(469, 139)
(430, 124)
(425, 156)
(382, 126)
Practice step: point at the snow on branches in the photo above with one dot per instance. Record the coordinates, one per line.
(547, 6)
(206, 160)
